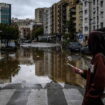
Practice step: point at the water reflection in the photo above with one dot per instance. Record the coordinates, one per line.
(8, 68)
(36, 66)
(25, 56)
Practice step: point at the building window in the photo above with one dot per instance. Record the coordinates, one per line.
(97, 26)
(97, 1)
(86, 28)
(94, 18)
(101, 24)
(94, 12)
(85, 3)
(93, 27)
(102, 14)
(101, 3)
(86, 11)
(93, 2)
(86, 20)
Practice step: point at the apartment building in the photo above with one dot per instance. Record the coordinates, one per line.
(59, 17)
(98, 14)
(87, 15)
(68, 8)
(25, 27)
(73, 15)
(93, 15)
(47, 21)
(39, 12)
(70, 15)
(55, 17)
(5, 13)
(63, 16)
(79, 17)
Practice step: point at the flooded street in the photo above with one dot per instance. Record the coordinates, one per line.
(41, 66)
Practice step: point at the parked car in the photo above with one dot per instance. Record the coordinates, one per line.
(27, 41)
(34, 40)
(85, 50)
(74, 46)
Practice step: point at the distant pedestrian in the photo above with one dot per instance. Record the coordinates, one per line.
(95, 76)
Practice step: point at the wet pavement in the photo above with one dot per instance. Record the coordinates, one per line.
(41, 66)
(42, 45)
(41, 76)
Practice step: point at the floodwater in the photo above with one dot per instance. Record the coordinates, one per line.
(41, 66)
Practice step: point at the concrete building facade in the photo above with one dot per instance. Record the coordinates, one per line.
(63, 16)
(47, 21)
(73, 15)
(98, 14)
(93, 15)
(79, 18)
(5, 13)
(39, 12)
(55, 18)
(25, 27)
(59, 17)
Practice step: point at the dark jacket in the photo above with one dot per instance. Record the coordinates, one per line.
(95, 81)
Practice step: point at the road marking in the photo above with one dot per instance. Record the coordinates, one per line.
(41, 97)
(5, 96)
(38, 97)
(20, 97)
(73, 96)
(56, 97)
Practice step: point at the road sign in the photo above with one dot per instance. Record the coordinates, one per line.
(81, 36)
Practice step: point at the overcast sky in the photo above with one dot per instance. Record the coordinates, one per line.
(25, 8)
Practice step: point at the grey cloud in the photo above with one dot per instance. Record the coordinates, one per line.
(26, 12)
(25, 8)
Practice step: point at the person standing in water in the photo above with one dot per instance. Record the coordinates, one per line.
(95, 76)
